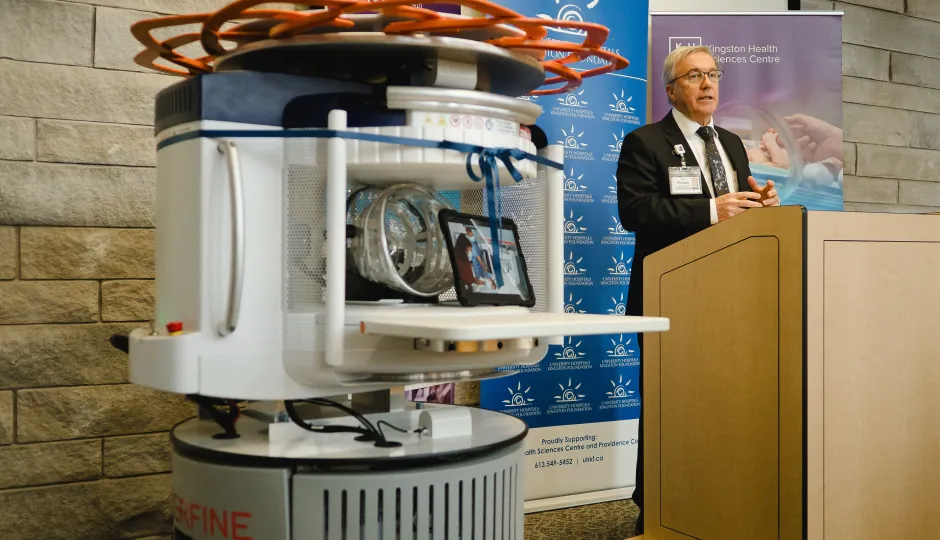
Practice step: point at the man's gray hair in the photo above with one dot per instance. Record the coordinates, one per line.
(676, 56)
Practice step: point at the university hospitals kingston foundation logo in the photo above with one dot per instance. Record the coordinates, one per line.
(576, 189)
(572, 138)
(570, 10)
(621, 103)
(621, 352)
(575, 271)
(619, 273)
(573, 182)
(518, 397)
(570, 351)
(573, 266)
(573, 224)
(570, 393)
(621, 389)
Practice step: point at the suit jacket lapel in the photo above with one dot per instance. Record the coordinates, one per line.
(675, 137)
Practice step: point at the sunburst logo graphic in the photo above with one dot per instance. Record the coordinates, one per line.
(573, 182)
(618, 141)
(617, 228)
(570, 11)
(621, 267)
(570, 351)
(572, 139)
(620, 348)
(573, 266)
(569, 394)
(518, 397)
(573, 100)
(573, 306)
(612, 188)
(621, 389)
(620, 306)
(573, 224)
(621, 103)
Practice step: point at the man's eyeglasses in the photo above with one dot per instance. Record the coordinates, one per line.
(696, 77)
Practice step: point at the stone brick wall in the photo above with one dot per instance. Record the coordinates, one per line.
(83, 454)
(891, 95)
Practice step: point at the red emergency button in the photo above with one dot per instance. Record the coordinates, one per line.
(174, 327)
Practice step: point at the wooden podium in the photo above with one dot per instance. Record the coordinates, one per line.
(797, 394)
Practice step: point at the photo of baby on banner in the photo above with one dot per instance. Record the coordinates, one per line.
(802, 154)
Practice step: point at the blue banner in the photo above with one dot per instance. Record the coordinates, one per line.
(583, 399)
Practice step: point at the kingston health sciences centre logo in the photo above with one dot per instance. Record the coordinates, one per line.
(684, 41)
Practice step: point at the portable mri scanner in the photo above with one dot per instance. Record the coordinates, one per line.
(301, 173)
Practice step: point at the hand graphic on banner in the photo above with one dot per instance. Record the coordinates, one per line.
(819, 140)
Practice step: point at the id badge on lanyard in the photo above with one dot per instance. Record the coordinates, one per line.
(684, 180)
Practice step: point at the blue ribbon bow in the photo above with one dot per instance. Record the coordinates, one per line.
(489, 169)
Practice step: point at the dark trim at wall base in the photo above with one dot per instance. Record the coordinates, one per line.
(793, 5)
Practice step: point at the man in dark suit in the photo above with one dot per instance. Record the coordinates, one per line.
(681, 175)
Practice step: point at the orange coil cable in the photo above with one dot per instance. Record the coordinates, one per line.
(280, 24)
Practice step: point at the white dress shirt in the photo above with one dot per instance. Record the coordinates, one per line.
(697, 143)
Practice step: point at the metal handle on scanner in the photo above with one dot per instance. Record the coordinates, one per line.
(236, 199)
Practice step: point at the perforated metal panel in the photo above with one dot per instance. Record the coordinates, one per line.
(474, 500)
(304, 224)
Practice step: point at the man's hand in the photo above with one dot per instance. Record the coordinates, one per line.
(733, 204)
(768, 193)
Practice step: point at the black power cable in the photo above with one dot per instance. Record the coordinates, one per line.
(368, 433)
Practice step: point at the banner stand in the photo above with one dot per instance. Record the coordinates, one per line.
(582, 401)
